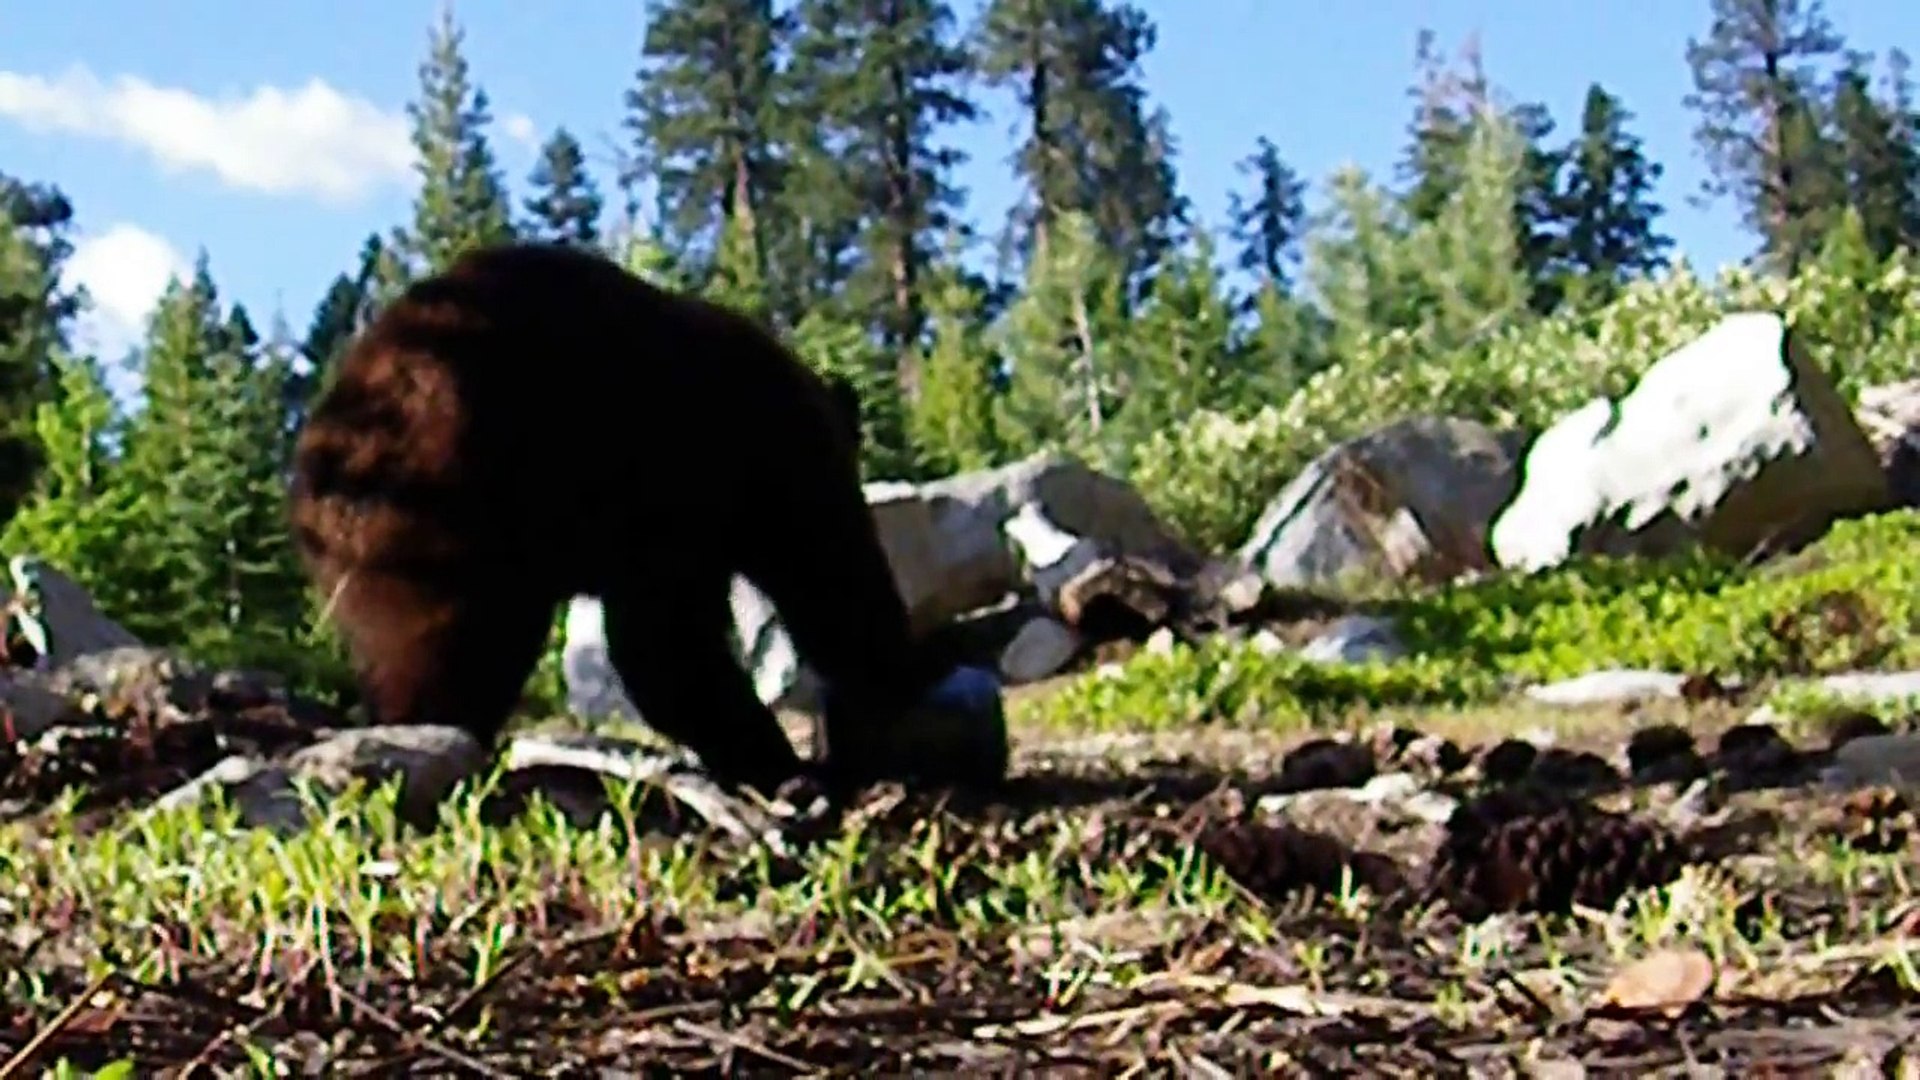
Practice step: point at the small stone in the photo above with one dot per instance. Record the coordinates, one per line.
(1355, 639)
(1160, 643)
(1892, 760)
(1704, 687)
(1438, 753)
(1409, 748)
(1041, 647)
(1389, 741)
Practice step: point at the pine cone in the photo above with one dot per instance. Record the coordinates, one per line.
(1876, 820)
(1845, 727)
(1408, 749)
(1529, 850)
(1274, 861)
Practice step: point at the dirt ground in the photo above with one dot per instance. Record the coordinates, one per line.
(1356, 936)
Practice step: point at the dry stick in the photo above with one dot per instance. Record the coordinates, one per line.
(204, 1059)
(474, 993)
(485, 986)
(741, 1043)
(200, 996)
(57, 1025)
(433, 1045)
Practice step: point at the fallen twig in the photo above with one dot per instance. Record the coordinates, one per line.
(745, 1045)
(435, 1046)
(66, 1018)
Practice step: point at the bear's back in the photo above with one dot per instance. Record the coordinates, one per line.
(530, 378)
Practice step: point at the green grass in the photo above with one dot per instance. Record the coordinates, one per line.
(1053, 921)
(1058, 914)
(1850, 602)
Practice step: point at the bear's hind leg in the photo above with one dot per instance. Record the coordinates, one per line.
(458, 658)
(668, 642)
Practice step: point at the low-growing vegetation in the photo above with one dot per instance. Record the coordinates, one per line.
(1124, 895)
(1220, 857)
(1847, 603)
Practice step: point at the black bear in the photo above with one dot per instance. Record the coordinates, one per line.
(536, 422)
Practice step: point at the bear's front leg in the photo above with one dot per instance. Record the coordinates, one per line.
(443, 654)
(667, 640)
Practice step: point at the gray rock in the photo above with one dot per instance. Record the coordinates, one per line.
(1355, 639)
(32, 707)
(956, 545)
(1411, 500)
(594, 690)
(56, 609)
(1040, 648)
(1736, 441)
(1612, 686)
(1871, 686)
(1893, 760)
(1890, 415)
(430, 760)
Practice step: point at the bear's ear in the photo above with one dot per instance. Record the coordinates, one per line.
(846, 401)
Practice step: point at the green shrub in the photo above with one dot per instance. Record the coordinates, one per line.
(1213, 475)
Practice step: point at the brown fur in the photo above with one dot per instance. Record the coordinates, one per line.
(536, 423)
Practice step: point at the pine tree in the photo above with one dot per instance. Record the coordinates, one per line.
(261, 590)
(343, 311)
(1755, 92)
(565, 205)
(1452, 104)
(703, 116)
(952, 418)
(1445, 100)
(35, 311)
(1606, 204)
(737, 278)
(1878, 158)
(877, 80)
(207, 548)
(80, 516)
(1179, 356)
(1092, 146)
(645, 256)
(1285, 343)
(1062, 340)
(462, 202)
(1471, 259)
(1269, 225)
(1448, 283)
(164, 563)
(1360, 263)
(837, 346)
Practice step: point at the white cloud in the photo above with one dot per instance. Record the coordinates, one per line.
(309, 140)
(124, 269)
(521, 129)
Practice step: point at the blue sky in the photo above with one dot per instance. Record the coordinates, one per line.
(271, 134)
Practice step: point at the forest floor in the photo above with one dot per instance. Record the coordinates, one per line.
(1205, 902)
